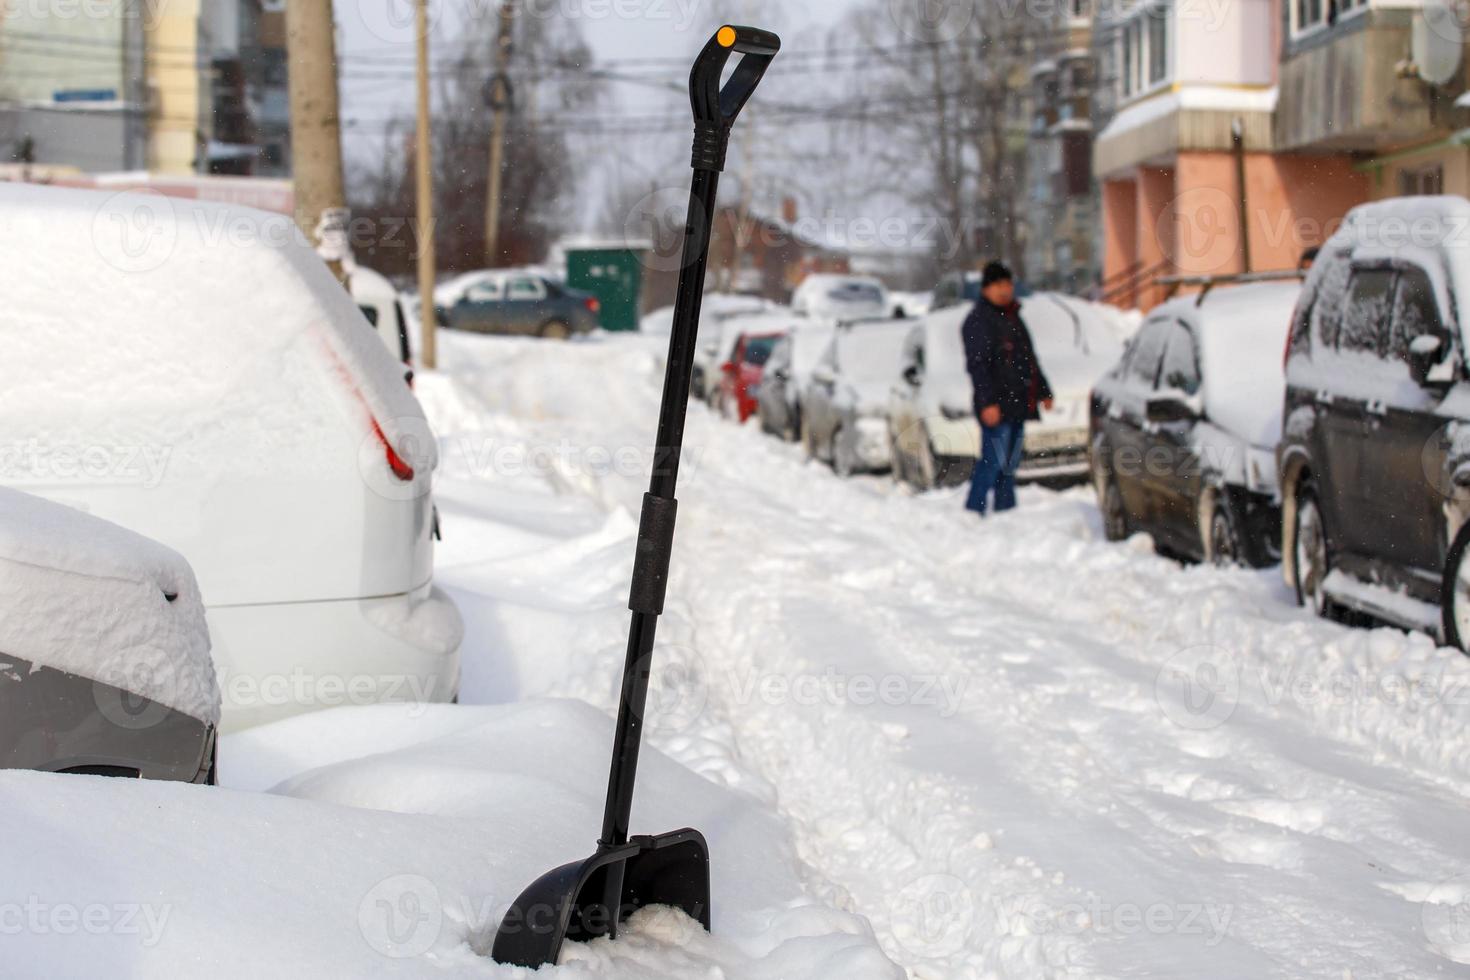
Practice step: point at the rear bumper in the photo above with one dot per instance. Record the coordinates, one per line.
(1054, 453)
(275, 661)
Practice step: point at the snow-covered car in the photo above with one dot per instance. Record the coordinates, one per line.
(221, 394)
(1375, 453)
(842, 298)
(787, 375)
(720, 329)
(844, 418)
(909, 305)
(932, 416)
(104, 651)
(1185, 426)
(382, 306)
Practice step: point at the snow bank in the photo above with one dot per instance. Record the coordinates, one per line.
(87, 597)
(392, 847)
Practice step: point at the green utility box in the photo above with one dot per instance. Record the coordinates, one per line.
(613, 272)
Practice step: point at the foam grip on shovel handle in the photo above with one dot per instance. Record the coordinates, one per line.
(716, 107)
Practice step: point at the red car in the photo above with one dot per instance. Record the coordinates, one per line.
(740, 377)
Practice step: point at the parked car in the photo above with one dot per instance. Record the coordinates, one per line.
(787, 375)
(740, 380)
(104, 652)
(718, 332)
(1184, 428)
(841, 297)
(525, 303)
(1375, 459)
(956, 289)
(382, 306)
(844, 414)
(226, 401)
(910, 305)
(932, 422)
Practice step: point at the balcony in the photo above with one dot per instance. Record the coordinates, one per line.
(1343, 87)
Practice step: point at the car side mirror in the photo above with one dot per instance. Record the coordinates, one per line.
(728, 367)
(1426, 352)
(1170, 408)
(913, 375)
(781, 374)
(823, 375)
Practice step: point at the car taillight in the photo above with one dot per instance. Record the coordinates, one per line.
(396, 463)
(594, 304)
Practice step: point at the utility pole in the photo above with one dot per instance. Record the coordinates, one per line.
(316, 131)
(500, 96)
(429, 348)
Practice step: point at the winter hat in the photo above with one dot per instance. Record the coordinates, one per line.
(995, 272)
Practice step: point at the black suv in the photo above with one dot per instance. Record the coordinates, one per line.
(1375, 455)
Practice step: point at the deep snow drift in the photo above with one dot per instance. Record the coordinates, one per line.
(916, 742)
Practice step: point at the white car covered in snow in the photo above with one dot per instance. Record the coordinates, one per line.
(382, 307)
(222, 394)
(935, 433)
(842, 298)
(844, 418)
(787, 375)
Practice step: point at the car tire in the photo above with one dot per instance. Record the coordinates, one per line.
(555, 330)
(1312, 555)
(926, 467)
(792, 431)
(1110, 503)
(900, 469)
(808, 447)
(1224, 545)
(1455, 592)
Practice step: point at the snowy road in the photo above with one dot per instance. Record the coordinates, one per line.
(1015, 749)
(919, 745)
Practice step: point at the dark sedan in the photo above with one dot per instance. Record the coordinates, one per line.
(525, 304)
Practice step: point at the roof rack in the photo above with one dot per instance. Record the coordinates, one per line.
(1207, 283)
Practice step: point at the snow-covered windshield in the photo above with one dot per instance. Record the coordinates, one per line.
(871, 351)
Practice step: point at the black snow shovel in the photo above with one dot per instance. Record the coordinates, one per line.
(591, 898)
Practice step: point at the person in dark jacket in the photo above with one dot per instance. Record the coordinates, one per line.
(1010, 387)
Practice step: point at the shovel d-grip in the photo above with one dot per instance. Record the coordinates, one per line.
(591, 898)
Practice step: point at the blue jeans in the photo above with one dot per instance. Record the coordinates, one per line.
(1001, 447)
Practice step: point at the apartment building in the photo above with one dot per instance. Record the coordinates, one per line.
(1061, 209)
(188, 86)
(1276, 116)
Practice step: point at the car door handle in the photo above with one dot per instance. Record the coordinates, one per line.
(1378, 408)
(1324, 396)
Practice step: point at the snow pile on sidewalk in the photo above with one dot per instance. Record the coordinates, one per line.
(396, 839)
(84, 596)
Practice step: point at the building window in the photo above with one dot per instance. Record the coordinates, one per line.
(1308, 14)
(1143, 55)
(1423, 180)
(1158, 45)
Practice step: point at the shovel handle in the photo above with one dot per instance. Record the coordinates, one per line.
(715, 107)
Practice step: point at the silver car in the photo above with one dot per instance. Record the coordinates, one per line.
(844, 418)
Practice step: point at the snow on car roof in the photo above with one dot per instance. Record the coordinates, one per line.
(1241, 332)
(871, 350)
(134, 304)
(88, 597)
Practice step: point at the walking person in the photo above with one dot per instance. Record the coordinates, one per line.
(1010, 387)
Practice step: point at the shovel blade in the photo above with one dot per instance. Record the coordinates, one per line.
(573, 902)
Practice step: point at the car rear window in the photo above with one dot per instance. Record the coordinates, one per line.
(758, 350)
(1367, 316)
